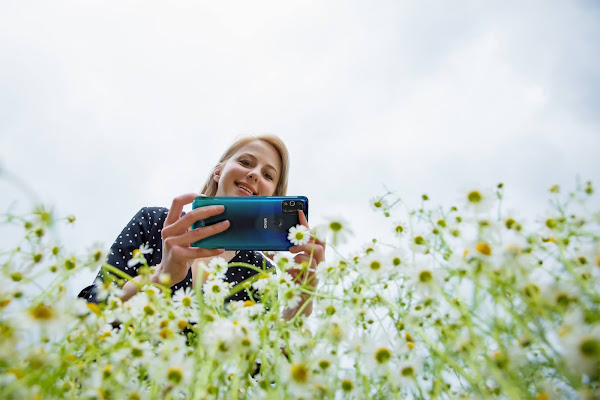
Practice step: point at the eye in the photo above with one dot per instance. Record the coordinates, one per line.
(245, 162)
(269, 176)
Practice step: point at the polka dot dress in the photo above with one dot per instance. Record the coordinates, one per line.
(145, 228)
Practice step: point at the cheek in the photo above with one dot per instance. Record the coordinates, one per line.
(269, 186)
(232, 169)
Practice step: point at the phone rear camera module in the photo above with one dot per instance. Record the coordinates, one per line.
(292, 207)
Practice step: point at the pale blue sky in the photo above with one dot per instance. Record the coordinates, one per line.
(108, 106)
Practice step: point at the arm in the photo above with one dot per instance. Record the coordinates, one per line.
(172, 241)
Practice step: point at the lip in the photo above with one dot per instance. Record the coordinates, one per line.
(245, 185)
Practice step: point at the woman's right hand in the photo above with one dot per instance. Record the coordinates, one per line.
(177, 237)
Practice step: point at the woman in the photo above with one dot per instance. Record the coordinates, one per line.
(252, 166)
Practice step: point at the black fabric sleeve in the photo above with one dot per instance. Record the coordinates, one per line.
(144, 228)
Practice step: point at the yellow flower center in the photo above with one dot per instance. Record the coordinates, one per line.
(175, 375)
(408, 371)
(149, 310)
(335, 226)
(42, 312)
(484, 248)
(299, 373)
(425, 276)
(347, 385)
(590, 348)
(474, 196)
(383, 355)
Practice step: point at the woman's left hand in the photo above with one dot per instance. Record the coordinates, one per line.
(311, 254)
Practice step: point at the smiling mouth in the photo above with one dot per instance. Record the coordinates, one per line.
(244, 188)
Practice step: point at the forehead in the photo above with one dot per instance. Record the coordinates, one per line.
(263, 151)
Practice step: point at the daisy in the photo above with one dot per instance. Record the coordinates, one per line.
(299, 235)
(378, 356)
(581, 343)
(478, 200)
(96, 256)
(373, 267)
(264, 280)
(300, 379)
(138, 255)
(334, 271)
(291, 297)
(408, 370)
(424, 277)
(219, 338)
(185, 298)
(139, 307)
(283, 260)
(246, 308)
(140, 352)
(215, 291)
(246, 335)
(378, 203)
(217, 267)
(338, 228)
(105, 289)
(175, 371)
(48, 318)
(285, 280)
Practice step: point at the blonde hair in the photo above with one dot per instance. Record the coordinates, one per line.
(210, 186)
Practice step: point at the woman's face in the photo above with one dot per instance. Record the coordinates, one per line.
(252, 171)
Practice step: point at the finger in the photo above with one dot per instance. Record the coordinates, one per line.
(192, 236)
(302, 218)
(304, 222)
(304, 258)
(180, 226)
(317, 250)
(319, 242)
(309, 276)
(177, 207)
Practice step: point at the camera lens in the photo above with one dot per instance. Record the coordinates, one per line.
(292, 203)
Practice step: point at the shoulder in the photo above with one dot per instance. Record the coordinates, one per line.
(149, 215)
(153, 212)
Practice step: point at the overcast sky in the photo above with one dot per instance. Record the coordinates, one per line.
(108, 106)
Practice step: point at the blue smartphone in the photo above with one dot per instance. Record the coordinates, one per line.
(257, 222)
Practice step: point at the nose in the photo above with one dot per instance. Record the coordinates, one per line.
(252, 175)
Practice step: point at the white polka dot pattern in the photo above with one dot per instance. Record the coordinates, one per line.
(146, 227)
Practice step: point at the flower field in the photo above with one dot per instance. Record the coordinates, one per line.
(465, 302)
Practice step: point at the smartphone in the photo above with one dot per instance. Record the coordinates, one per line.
(256, 222)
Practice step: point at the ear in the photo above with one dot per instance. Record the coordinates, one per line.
(217, 174)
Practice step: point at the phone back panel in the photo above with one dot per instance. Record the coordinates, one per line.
(257, 222)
